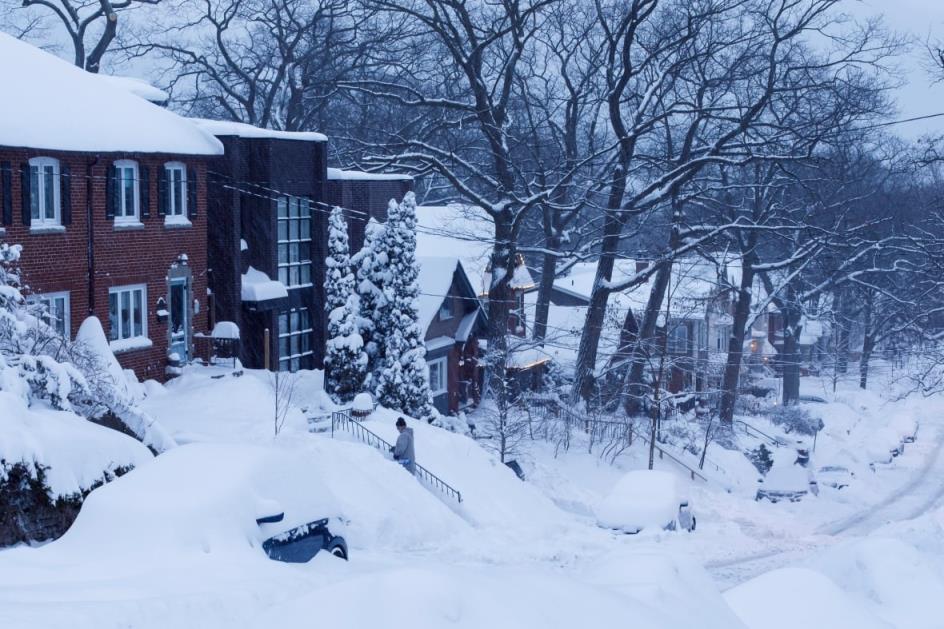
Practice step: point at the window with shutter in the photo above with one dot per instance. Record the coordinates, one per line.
(176, 192)
(6, 192)
(192, 193)
(127, 192)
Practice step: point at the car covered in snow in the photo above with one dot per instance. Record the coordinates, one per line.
(883, 446)
(646, 500)
(786, 481)
(301, 543)
(906, 428)
(834, 476)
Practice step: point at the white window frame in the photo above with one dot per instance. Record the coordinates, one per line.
(120, 216)
(119, 290)
(172, 209)
(293, 362)
(38, 199)
(442, 365)
(48, 300)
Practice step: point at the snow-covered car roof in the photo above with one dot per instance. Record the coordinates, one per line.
(49, 103)
(641, 499)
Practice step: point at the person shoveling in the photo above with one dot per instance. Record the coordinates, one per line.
(403, 450)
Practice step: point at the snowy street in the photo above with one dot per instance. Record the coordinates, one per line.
(179, 556)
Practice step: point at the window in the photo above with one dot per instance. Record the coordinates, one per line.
(127, 312)
(437, 376)
(55, 311)
(445, 310)
(175, 174)
(294, 241)
(126, 191)
(295, 351)
(44, 192)
(724, 332)
(678, 339)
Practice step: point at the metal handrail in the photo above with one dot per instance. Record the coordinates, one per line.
(763, 435)
(617, 428)
(342, 419)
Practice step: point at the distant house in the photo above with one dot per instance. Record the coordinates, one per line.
(465, 233)
(453, 322)
(270, 196)
(107, 194)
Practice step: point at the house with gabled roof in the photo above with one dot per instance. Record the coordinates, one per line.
(106, 192)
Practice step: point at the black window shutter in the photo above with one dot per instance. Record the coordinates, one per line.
(25, 193)
(65, 194)
(144, 185)
(6, 181)
(161, 190)
(191, 193)
(111, 193)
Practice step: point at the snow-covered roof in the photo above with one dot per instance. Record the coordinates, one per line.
(48, 103)
(357, 175)
(435, 279)
(467, 233)
(257, 286)
(138, 87)
(243, 130)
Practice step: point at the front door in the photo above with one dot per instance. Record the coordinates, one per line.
(179, 320)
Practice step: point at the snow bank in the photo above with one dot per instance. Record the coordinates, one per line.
(492, 496)
(788, 598)
(257, 286)
(77, 452)
(641, 499)
(890, 578)
(113, 119)
(433, 597)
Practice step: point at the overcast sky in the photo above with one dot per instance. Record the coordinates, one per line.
(920, 19)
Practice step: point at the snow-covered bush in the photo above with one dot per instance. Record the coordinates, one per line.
(761, 458)
(796, 419)
(346, 360)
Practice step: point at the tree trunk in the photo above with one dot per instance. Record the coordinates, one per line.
(548, 275)
(593, 324)
(636, 388)
(500, 300)
(791, 355)
(868, 342)
(732, 367)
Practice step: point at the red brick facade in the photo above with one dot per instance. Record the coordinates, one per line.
(88, 259)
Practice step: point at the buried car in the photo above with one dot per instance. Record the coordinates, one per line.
(789, 481)
(646, 499)
(834, 476)
(302, 543)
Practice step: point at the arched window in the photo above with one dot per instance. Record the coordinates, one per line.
(44, 195)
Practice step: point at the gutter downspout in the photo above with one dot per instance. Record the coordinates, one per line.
(90, 240)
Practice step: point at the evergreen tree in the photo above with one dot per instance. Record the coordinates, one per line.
(345, 358)
(402, 376)
(339, 277)
(370, 267)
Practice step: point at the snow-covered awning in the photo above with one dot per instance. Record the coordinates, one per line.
(257, 287)
(336, 174)
(438, 343)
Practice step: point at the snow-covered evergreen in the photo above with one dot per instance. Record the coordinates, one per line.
(345, 357)
(402, 374)
(370, 265)
(339, 278)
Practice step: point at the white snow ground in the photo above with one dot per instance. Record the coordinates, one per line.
(174, 543)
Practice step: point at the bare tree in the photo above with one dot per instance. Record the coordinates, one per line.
(91, 25)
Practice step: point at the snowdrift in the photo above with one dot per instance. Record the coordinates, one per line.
(77, 452)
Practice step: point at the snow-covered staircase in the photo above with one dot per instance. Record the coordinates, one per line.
(342, 421)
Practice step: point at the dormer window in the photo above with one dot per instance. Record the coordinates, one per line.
(44, 201)
(127, 199)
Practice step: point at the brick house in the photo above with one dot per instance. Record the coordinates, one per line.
(107, 196)
(270, 197)
(453, 321)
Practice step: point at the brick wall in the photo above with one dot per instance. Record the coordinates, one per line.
(53, 262)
